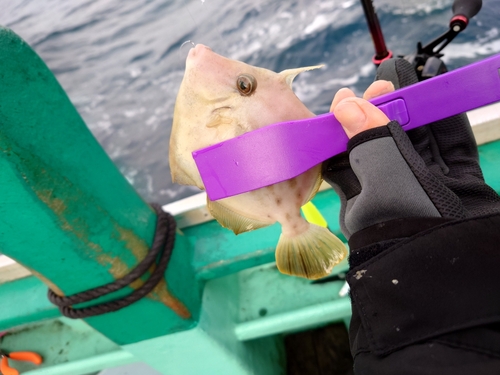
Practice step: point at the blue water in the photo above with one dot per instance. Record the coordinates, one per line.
(121, 63)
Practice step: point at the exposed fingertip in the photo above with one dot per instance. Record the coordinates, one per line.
(378, 88)
(390, 87)
(357, 115)
(343, 93)
(351, 116)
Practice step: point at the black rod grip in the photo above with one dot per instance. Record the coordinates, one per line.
(467, 8)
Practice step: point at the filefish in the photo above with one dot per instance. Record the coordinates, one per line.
(220, 99)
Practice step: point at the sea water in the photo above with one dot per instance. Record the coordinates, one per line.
(121, 63)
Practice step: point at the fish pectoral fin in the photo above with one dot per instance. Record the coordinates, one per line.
(311, 255)
(233, 220)
(218, 119)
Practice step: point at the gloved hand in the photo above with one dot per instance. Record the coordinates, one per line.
(394, 184)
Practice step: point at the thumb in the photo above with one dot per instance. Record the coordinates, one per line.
(357, 115)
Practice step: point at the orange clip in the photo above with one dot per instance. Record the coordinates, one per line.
(32, 357)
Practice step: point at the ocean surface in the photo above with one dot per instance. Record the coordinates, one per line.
(121, 61)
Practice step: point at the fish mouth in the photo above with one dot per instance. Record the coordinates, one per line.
(198, 50)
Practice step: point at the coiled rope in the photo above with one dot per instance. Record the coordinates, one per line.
(161, 249)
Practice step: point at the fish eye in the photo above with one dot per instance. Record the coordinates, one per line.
(246, 84)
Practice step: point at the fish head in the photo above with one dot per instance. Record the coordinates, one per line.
(220, 99)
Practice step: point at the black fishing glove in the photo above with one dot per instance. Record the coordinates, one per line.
(409, 181)
(423, 236)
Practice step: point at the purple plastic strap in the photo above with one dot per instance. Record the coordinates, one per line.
(284, 150)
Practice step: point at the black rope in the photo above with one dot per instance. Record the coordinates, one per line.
(163, 245)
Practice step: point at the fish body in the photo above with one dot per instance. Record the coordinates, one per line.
(220, 99)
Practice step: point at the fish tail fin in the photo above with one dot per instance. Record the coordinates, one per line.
(311, 254)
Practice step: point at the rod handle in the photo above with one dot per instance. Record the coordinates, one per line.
(463, 11)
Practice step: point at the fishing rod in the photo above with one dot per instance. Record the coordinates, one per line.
(427, 59)
(381, 51)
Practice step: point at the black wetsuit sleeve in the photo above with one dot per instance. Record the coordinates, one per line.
(430, 304)
(424, 238)
(424, 271)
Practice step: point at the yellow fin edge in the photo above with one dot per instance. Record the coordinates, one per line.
(312, 215)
